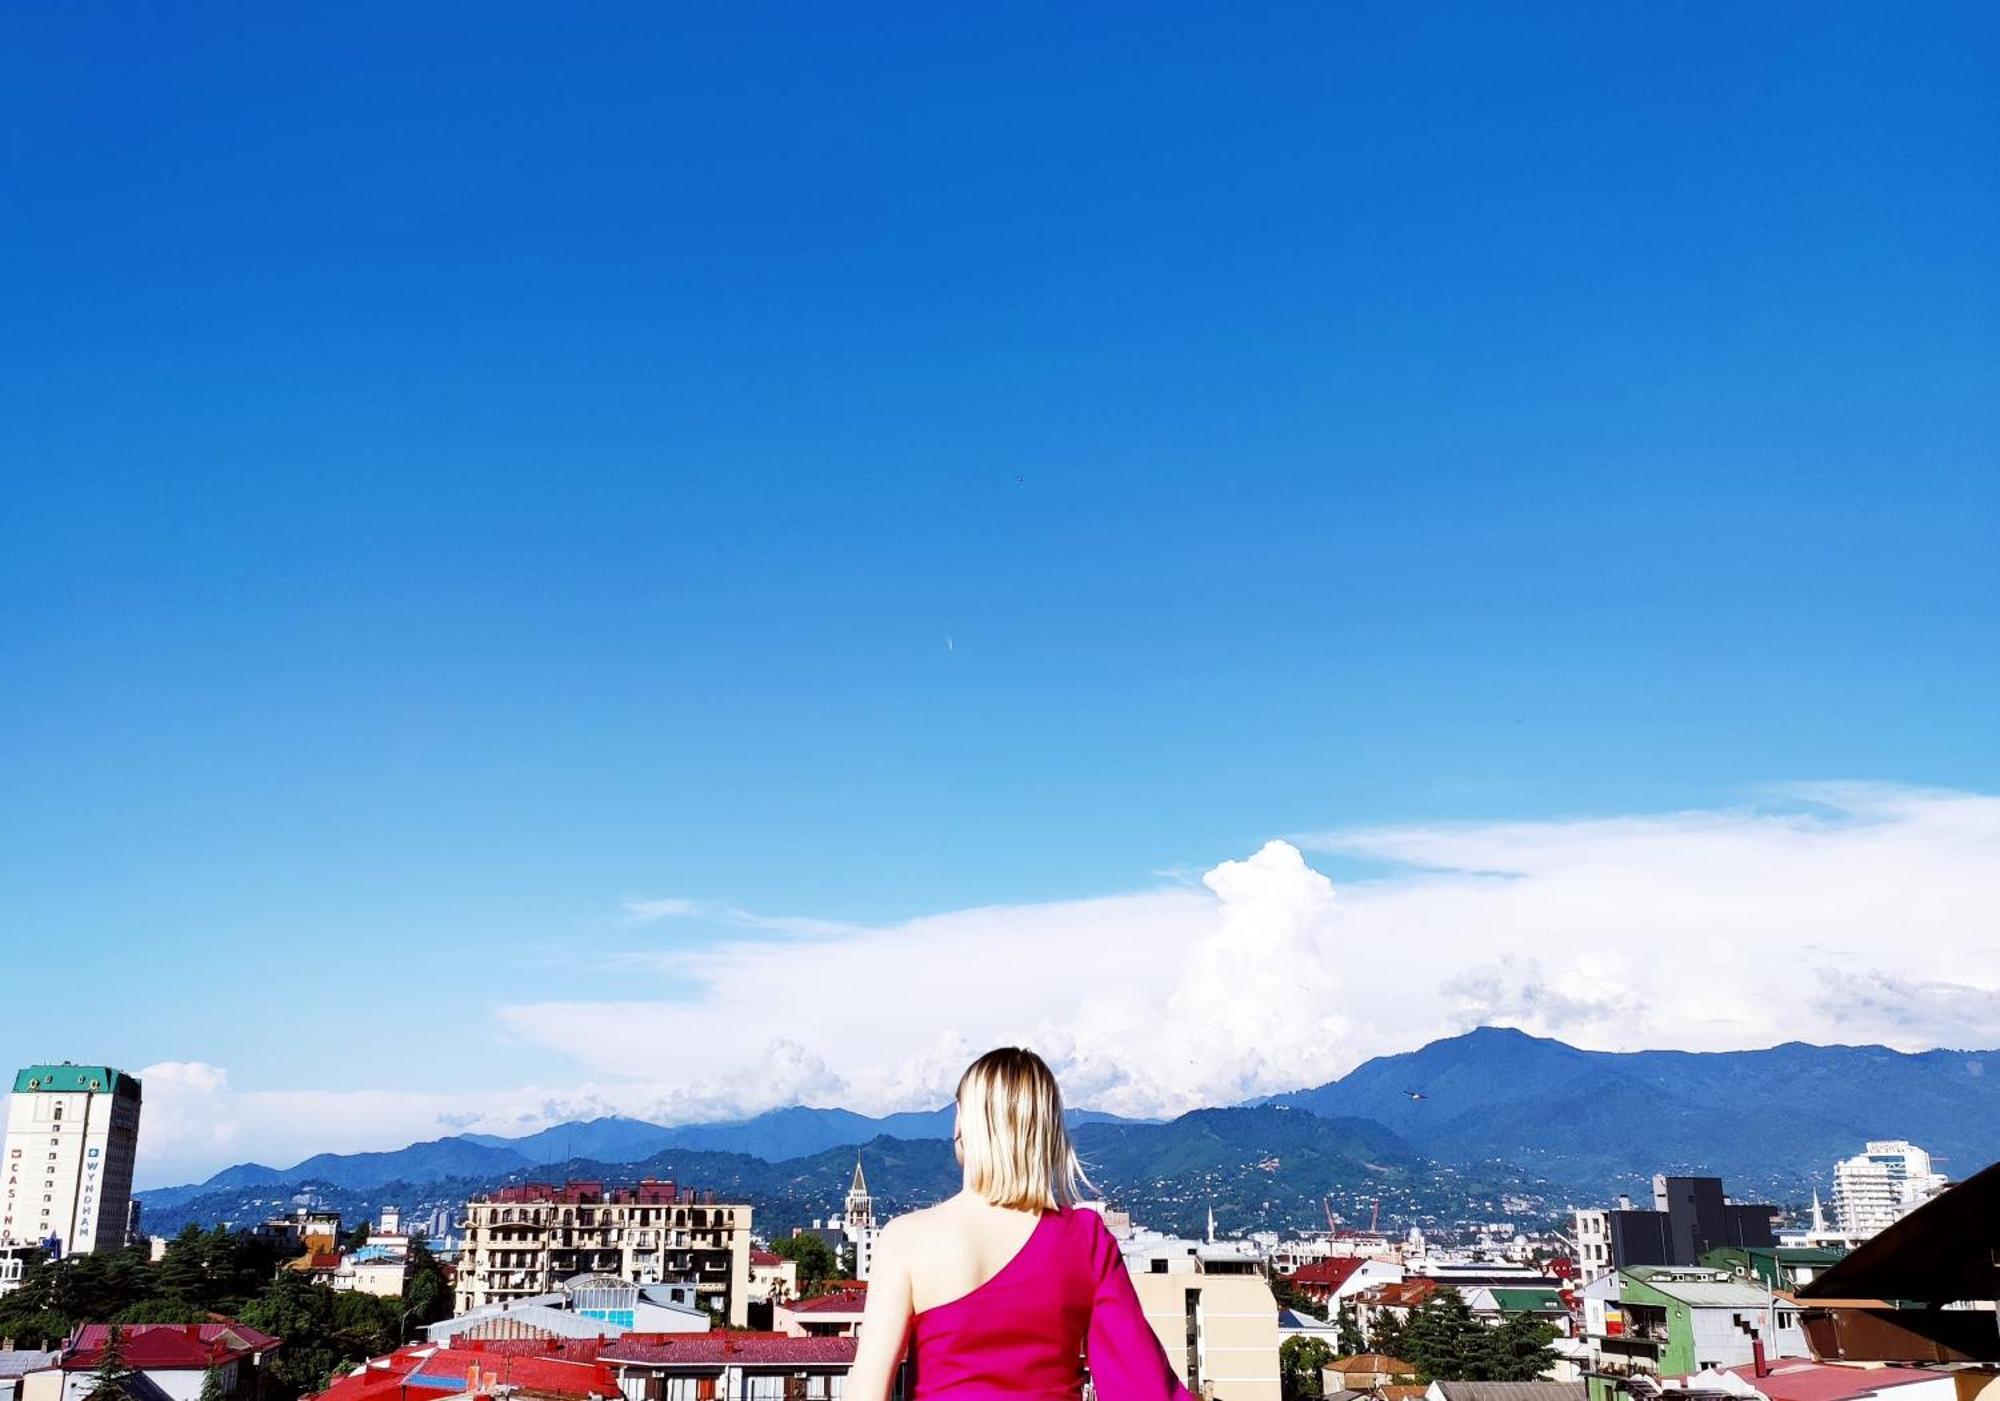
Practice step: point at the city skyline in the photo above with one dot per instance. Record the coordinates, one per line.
(559, 564)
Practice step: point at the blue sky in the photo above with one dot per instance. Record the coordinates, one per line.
(468, 467)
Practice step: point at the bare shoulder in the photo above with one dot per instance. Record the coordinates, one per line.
(913, 1229)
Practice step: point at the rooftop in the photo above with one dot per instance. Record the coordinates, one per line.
(646, 1192)
(715, 1349)
(165, 1347)
(74, 1079)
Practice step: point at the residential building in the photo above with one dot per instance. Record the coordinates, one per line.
(72, 1134)
(17, 1363)
(14, 1263)
(773, 1278)
(852, 1228)
(1782, 1267)
(1879, 1185)
(588, 1306)
(363, 1272)
(173, 1359)
(834, 1315)
(1366, 1371)
(1491, 1303)
(521, 1241)
(1690, 1216)
(562, 1370)
(1334, 1280)
(1653, 1321)
(1213, 1312)
(730, 1367)
(1801, 1379)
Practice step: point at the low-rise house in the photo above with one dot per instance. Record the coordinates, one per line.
(1801, 1379)
(1492, 1303)
(1296, 1323)
(835, 1315)
(170, 1358)
(587, 1306)
(738, 1366)
(568, 1370)
(1783, 1267)
(1655, 1321)
(1367, 1371)
(17, 1363)
(773, 1278)
(1391, 1302)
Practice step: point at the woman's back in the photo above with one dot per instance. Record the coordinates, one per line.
(1007, 1290)
(1005, 1303)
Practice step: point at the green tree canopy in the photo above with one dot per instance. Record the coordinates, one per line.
(815, 1258)
(1300, 1361)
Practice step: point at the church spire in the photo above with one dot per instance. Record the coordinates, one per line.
(860, 1187)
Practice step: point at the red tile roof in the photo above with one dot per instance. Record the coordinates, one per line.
(165, 1347)
(765, 1258)
(558, 1368)
(1365, 1362)
(1328, 1274)
(840, 1301)
(1796, 1379)
(717, 1349)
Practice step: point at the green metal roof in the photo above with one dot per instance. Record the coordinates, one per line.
(74, 1079)
(1528, 1300)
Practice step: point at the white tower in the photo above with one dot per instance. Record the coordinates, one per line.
(72, 1135)
(858, 1223)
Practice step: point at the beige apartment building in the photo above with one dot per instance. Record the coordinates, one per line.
(1214, 1313)
(523, 1241)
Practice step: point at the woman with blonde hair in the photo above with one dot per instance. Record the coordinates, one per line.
(1008, 1289)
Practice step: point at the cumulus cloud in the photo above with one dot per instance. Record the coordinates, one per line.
(1827, 913)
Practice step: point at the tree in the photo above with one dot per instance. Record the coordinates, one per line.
(815, 1258)
(1518, 1349)
(1443, 1339)
(426, 1299)
(211, 1384)
(1300, 1361)
(107, 1383)
(1349, 1329)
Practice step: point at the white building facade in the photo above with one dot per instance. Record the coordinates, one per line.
(1879, 1185)
(72, 1137)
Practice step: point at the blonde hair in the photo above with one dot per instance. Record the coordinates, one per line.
(1010, 1125)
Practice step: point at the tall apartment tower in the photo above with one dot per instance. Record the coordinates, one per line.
(1878, 1185)
(72, 1135)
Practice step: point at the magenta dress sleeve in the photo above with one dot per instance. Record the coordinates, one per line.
(1126, 1360)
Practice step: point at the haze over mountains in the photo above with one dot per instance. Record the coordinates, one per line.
(1494, 1112)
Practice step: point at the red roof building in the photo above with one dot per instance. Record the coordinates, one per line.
(1321, 1280)
(831, 1315)
(724, 1364)
(168, 1347)
(566, 1369)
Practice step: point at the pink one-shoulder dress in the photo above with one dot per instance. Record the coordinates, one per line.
(1063, 1302)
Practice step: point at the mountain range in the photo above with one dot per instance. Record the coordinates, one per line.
(1492, 1114)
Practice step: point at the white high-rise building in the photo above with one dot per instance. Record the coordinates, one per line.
(72, 1135)
(1880, 1184)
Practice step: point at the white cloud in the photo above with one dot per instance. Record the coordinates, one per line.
(1840, 913)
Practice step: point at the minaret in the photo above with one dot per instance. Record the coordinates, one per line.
(858, 1223)
(1211, 1225)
